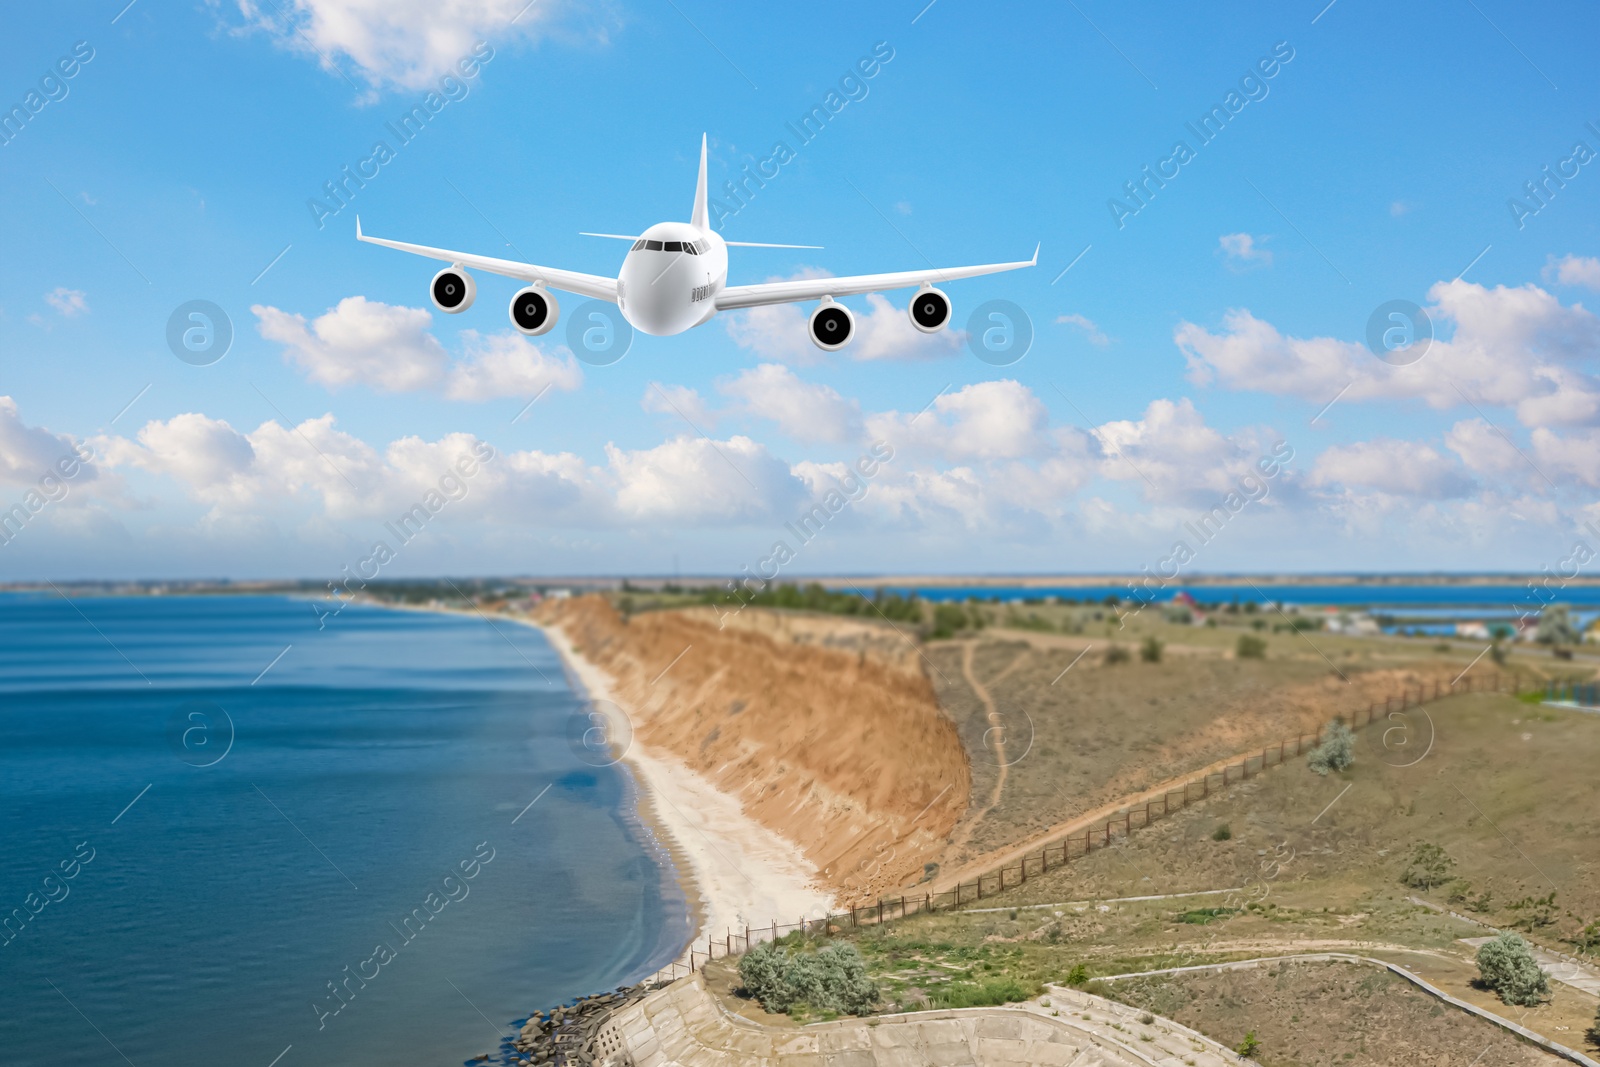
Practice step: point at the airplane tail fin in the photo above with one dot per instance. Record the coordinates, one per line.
(698, 217)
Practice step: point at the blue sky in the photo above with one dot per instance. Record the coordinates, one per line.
(1376, 164)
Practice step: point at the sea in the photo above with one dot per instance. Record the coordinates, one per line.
(229, 835)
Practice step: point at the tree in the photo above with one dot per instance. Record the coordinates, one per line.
(1150, 651)
(1506, 965)
(1556, 629)
(1250, 647)
(1428, 866)
(1337, 750)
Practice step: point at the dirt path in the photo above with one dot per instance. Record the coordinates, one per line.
(995, 737)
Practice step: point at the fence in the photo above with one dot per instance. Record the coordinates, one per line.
(1063, 851)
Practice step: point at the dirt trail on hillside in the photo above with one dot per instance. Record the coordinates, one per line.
(829, 735)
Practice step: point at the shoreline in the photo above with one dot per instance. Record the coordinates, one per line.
(734, 872)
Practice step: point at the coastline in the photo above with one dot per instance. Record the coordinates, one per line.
(734, 872)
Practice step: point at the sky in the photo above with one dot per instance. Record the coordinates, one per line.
(1312, 293)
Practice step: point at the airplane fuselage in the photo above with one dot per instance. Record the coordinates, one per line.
(671, 277)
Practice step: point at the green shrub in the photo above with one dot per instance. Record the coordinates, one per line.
(1506, 965)
(1250, 647)
(1078, 975)
(1150, 651)
(831, 979)
(1117, 654)
(1428, 866)
(761, 970)
(1336, 751)
(1221, 833)
(983, 994)
(1593, 1033)
(1249, 1045)
(947, 619)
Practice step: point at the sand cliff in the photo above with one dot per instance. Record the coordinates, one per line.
(827, 732)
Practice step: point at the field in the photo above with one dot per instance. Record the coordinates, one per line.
(1057, 724)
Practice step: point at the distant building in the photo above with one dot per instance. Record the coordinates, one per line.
(1476, 630)
(558, 594)
(1351, 623)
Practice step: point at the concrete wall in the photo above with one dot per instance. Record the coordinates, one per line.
(685, 1025)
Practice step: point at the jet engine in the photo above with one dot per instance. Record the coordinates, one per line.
(831, 325)
(452, 290)
(534, 311)
(929, 310)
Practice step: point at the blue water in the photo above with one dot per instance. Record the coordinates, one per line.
(207, 846)
(1509, 599)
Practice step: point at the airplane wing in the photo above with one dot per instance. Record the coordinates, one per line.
(747, 296)
(568, 281)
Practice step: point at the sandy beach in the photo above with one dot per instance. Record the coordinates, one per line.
(741, 873)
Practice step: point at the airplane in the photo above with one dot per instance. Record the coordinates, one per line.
(674, 278)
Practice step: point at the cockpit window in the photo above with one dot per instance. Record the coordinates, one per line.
(653, 246)
(638, 244)
(672, 246)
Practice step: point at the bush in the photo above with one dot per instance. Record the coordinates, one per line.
(1078, 975)
(947, 619)
(1250, 647)
(762, 970)
(1506, 965)
(1429, 866)
(983, 994)
(1221, 833)
(1337, 750)
(1150, 651)
(1117, 654)
(1593, 1033)
(1249, 1045)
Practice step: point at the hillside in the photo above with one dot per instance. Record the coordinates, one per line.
(821, 729)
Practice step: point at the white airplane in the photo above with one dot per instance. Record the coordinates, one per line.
(675, 278)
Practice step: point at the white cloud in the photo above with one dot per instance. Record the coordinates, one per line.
(390, 348)
(27, 453)
(1174, 457)
(384, 346)
(1399, 468)
(1243, 249)
(696, 480)
(983, 421)
(1575, 456)
(885, 332)
(1485, 450)
(679, 401)
(409, 44)
(1512, 347)
(1090, 330)
(1574, 270)
(804, 411)
(69, 303)
(508, 364)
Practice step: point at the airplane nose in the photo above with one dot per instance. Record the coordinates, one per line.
(656, 290)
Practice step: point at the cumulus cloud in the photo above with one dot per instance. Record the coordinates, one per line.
(803, 411)
(69, 303)
(1574, 270)
(1241, 249)
(390, 348)
(1090, 330)
(983, 421)
(1174, 457)
(27, 453)
(1513, 347)
(407, 44)
(1399, 468)
(679, 401)
(508, 364)
(384, 346)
